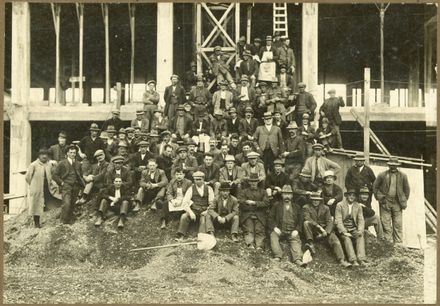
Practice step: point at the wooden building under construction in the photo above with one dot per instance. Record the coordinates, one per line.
(67, 65)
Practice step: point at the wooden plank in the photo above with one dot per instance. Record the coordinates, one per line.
(199, 37)
(219, 26)
(56, 10)
(132, 11)
(107, 53)
(367, 115)
(431, 209)
(248, 24)
(80, 12)
(217, 22)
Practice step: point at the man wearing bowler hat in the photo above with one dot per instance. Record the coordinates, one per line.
(253, 203)
(140, 121)
(223, 212)
(391, 189)
(233, 122)
(270, 141)
(350, 226)
(285, 222)
(68, 176)
(360, 175)
(58, 151)
(174, 96)
(90, 144)
(150, 99)
(330, 110)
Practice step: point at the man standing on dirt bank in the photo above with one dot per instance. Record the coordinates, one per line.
(68, 176)
(391, 189)
(196, 201)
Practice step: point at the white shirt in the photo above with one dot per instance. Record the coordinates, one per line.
(143, 156)
(360, 168)
(70, 161)
(268, 127)
(139, 122)
(118, 171)
(117, 193)
(222, 94)
(282, 80)
(350, 208)
(244, 93)
(152, 174)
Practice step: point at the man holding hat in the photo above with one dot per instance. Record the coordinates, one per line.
(270, 141)
(360, 175)
(330, 110)
(285, 222)
(318, 224)
(68, 176)
(248, 67)
(350, 225)
(114, 120)
(391, 189)
(152, 185)
(318, 164)
(223, 212)
(180, 125)
(90, 144)
(295, 151)
(187, 163)
(276, 180)
(199, 96)
(253, 167)
(248, 125)
(174, 96)
(253, 203)
(304, 103)
(198, 198)
(58, 151)
(370, 216)
(39, 177)
(331, 193)
(142, 122)
(150, 99)
(231, 174)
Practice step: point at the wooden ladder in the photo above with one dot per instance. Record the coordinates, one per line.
(280, 18)
(430, 213)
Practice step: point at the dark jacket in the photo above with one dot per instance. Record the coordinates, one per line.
(116, 122)
(355, 179)
(217, 209)
(126, 176)
(321, 216)
(179, 92)
(204, 130)
(330, 108)
(63, 169)
(187, 125)
(248, 129)
(159, 178)
(259, 210)
(89, 147)
(276, 216)
(233, 128)
(165, 163)
(212, 174)
(334, 193)
(382, 185)
(296, 148)
(57, 152)
(249, 68)
(98, 172)
(274, 180)
(300, 190)
(110, 192)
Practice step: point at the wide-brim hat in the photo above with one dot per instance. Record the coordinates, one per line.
(292, 126)
(224, 186)
(359, 157)
(94, 127)
(248, 110)
(393, 161)
(350, 191)
(287, 189)
(267, 115)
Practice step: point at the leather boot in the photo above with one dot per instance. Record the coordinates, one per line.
(37, 222)
(121, 221)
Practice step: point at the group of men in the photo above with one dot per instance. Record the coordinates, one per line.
(245, 157)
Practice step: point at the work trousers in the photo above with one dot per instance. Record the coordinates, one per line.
(391, 216)
(149, 111)
(311, 231)
(349, 249)
(294, 245)
(338, 137)
(254, 232)
(69, 194)
(185, 221)
(375, 221)
(268, 159)
(121, 207)
(150, 195)
(211, 224)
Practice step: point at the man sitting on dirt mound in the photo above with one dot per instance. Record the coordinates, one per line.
(115, 198)
(224, 211)
(196, 201)
(318, 224)
(285, 222)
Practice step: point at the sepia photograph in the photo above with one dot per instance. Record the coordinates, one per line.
(219, 152)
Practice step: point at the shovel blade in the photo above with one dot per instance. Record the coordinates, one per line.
(205, 242)
(307, 257)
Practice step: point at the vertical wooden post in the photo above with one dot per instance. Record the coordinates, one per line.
(80, 11)
(367, 115)
(165, 31)
(310, 48)
(118, 95)
(199, 37)
(382, 82)
(20, 138)
(237, 21)
(249, 24)
(132, 11)
(107, 53)
(56, 10)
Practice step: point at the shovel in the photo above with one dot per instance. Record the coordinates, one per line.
(204, 242)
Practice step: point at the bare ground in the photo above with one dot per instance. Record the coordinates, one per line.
(82, 264)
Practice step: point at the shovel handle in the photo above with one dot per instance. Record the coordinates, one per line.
(163, 246)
